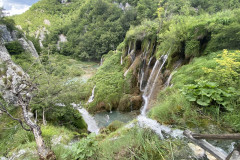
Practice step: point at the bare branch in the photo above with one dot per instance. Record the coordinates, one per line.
(3, 109)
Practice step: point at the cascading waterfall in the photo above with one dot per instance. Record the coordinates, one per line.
(91, 98)
(143, 120)
(121, 60)
(92, 125)
(143, 68)
(149, 86)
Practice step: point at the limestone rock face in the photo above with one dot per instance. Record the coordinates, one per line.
(29, 47)
(41, 35)
(11, 75)
(5, 34)
(62, 39)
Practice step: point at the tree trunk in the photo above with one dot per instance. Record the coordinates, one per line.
(36, 117)
(44, 120)
(43, 151)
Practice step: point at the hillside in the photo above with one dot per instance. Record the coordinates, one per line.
(164, 67)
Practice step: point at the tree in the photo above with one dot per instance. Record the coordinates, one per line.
(23, 94)
(18, 89)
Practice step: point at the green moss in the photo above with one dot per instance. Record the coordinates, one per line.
(109, 82)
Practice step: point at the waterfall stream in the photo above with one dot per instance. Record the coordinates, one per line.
(92, 125)
(91, 98)
(143, 120)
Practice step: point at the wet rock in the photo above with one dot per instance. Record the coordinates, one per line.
(129, 103)
(136, 102)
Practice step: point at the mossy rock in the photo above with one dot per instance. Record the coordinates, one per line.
(125, 103)
(129, 102)
(115, 125)
(136, 102)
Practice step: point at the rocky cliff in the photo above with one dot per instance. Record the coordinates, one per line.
(10, 76)
(9, 36)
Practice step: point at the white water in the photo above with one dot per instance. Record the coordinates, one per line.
(156, 78)
(91, 98)
(92, 125)
(121, 60)
(145, 122)
(151, 86)
(159, 129)
(101, 62)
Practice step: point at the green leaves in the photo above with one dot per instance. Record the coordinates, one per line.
(205, 93)
(84, 149)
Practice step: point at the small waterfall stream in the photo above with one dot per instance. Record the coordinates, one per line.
(101, 62)
(91, 98)
(143, 120)
(92, 125)
(152, 82)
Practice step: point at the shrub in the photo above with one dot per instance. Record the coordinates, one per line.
(14, 47)
(84, 149)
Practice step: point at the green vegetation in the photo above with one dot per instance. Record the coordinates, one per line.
(208, 85)
(203, 35)
(14, 47)
(109, 82)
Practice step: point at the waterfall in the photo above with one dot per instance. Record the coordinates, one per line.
(156, 78)
(169, 79)
(132, 55)
(167, 84)
(91, 98)
(101, 62)
(92, 124)
(145, 96)
(121, 60)
(143, 69)
(159, 129)
(152, 82)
